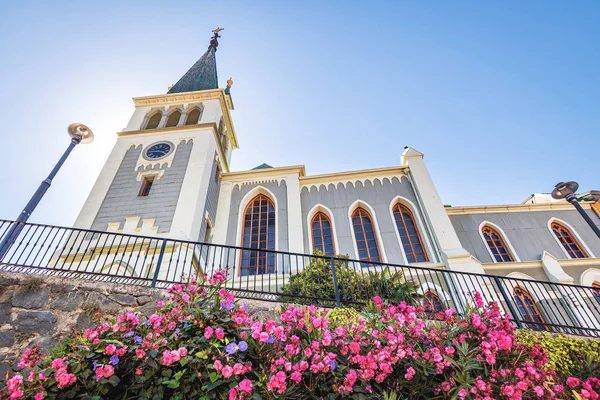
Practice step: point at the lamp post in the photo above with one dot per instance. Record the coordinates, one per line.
(566, 190)
(79, 133)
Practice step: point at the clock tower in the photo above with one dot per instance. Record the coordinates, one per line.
(163, 175)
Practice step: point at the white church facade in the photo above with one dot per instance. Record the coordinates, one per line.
(169, 176)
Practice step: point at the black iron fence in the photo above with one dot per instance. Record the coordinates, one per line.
(290, 277)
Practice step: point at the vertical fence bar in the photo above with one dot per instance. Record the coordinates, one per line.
(335, 283)
(508, 302)
(158, 262)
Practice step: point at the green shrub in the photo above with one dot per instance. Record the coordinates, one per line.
(568, 355)
(343, 317)
(316, 283)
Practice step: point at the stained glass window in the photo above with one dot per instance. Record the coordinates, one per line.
(258, 234)
(322, 234)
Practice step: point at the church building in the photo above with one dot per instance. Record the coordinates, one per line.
(169, 176)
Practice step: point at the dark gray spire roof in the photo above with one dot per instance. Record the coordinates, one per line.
(202, 75)
(262, 166)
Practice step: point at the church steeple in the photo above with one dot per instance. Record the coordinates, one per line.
(203, 74)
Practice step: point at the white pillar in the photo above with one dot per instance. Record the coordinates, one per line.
(222, 217)
(295, 236)
(457, 258)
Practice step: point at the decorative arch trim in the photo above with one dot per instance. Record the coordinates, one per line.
(509, 247)
(244, 204)
(311, 214)
(589, 276)
(421, 228)
(573, 233)
(361, 204)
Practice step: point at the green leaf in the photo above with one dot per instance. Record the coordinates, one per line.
(202, 355)
(213, 376)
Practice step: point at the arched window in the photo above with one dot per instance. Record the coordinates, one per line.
(173, 119)
(596, 291)
(258, 233)
(154, 120)
(496, 244)
(409, 234)
(527, 308)
(193, 117)
(322, 235)
(432, 302)
(366, 239)
(568, 241)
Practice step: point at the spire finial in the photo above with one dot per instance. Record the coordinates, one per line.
(214, 42)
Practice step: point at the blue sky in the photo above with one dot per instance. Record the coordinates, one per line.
(503, 98)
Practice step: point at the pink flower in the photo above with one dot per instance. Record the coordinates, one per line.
(170, 357)
(218, 365)
(110, 349)
(139, 371)
(39, 396)
(355, 347)
(65, 379)
(539, 391)
(559, 388)
(508, 390)
(139, 353)
(219, 333)
(462, 393)
(246, 385)
(160, 304)
(227, 371)
(104, 371)
(277, 383)
(182, 351)
(377, 300)
(446, 386)
(208, 332)
(410, 372)
(573, 382)
(296, 376)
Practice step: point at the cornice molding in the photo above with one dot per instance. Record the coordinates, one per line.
(514, 208)
(210, 125)
(575, 262)
(315, 181)
(262, 174)
(189, 97)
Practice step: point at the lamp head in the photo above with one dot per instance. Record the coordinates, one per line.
(82, 131)
(562, 189)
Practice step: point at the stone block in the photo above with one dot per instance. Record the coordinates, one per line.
(5, 309)
(36, 298)
(8, 281)
(45, 342)
(7, 338)
(104, 303)
(35, 321)
(123, 299)
(84, 321)
(144, 300)
(67, 301)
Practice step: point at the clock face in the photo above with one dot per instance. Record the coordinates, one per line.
(158, 150)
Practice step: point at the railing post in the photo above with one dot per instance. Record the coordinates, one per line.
(508, 302)
(335, 283)
(158, 262)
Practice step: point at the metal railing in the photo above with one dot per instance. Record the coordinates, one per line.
(291, 277)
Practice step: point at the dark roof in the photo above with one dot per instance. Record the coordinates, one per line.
(262, 166)
(202, 75)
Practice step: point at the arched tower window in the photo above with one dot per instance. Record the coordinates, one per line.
(527, 308)
(366, 239)
(409, 234)
(322, 234)
(432, 302)
(173, 119)
(193, 117)
(568, 241)
(154, 120)
(258, 233)
(596, 291)
(496, 244)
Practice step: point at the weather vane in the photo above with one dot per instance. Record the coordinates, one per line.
(214, 40)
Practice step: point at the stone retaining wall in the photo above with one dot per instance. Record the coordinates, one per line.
(45, 309)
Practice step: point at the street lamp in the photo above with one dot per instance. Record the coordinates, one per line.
(566, 190)
(79, 133)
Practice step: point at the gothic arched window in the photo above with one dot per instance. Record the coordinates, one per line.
(432, 302)
(193, 117)
(596, 291)
(322, 234)
(154, 120)
(258, 234)
(409, 234)
(527, 308)
(568, 241)
(364, 234)
(173, 119)
(496, 244)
